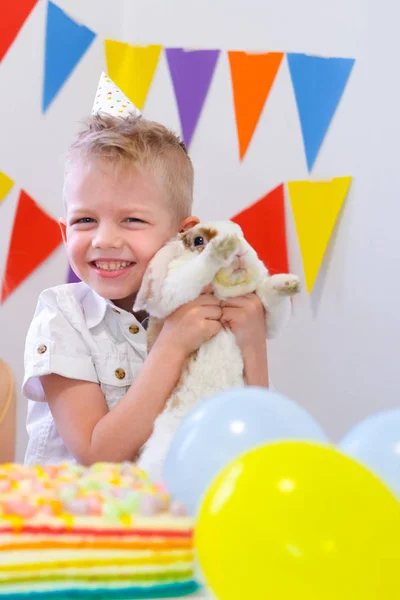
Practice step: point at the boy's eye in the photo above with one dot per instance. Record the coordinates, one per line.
(85, 220)
(134, 220)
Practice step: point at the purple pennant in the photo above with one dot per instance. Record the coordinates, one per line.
(72, 278)
(191, 73)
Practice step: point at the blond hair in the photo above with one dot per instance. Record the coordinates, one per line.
(137, 142)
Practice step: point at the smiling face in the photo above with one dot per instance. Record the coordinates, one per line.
(117, 219)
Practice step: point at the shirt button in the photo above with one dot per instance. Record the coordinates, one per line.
(42, 349)
(117, 311)
(134, 329)
(120, 373)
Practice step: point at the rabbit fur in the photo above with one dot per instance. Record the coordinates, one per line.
(213, 253)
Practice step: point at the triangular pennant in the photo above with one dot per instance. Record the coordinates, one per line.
(318, 85)
(13, 16)
(191, 73)
(5, 185)
(316, 206)
(132, 68)
(72, 277)
(252, 79)
(264, 227)
(66, 43)
(35, 236)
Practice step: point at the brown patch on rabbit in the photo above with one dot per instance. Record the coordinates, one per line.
(209, 233)
(198, 239)
(153, 331)
(175, 400)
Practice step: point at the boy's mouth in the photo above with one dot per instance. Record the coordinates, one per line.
(111, 265)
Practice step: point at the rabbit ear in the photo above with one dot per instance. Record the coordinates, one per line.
(150, 290)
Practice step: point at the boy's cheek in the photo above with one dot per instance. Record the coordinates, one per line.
(148, 249)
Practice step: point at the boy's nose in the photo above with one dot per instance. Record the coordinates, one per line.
(106, 237)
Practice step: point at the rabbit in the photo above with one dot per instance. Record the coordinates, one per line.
(213, 253)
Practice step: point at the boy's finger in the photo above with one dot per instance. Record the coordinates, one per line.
(212, 312)
(208, 299)
(207, 290)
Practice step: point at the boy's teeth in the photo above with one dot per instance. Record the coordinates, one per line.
(112, 266)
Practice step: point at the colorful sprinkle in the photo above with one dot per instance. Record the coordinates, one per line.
(105, 489)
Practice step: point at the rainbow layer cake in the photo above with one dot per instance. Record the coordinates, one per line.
(104, 532)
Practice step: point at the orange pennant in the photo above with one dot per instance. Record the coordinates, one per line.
(264, 227)
(252, 79)
(35, 236)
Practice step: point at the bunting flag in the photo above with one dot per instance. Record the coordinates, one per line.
(264, 227)
(316, 206)
(66, 43)
(252, 78)
(318, 85)
(13, 16)
(28, 249)
(191, 74)
(5, 185)
(132, 68)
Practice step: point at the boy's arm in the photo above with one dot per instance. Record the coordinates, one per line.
(256, 366)
(245, 316)
(96, 434)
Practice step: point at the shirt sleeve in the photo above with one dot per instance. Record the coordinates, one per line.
(54, 346)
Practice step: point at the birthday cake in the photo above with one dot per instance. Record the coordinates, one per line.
(104, 531)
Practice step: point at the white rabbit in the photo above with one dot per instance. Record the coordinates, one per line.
(212, 253)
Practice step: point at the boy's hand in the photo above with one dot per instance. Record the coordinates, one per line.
(245, 316)
(192, 324)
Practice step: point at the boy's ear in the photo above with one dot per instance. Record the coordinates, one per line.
(63, 228)
(188, 223)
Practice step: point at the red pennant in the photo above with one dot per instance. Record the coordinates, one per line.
(12, 18)
(264, 227)
(35, 236)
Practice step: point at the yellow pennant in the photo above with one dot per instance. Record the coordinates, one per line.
(316, 206)
(5, 185)
(132, 68)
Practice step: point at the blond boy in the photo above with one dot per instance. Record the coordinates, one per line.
(93, 392)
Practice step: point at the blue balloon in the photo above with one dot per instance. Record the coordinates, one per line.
(375, 442)
(222, 428)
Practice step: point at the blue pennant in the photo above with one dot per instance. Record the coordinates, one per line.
(318, 86)
(66, 43)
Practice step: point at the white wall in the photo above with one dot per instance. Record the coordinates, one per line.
(338, 357)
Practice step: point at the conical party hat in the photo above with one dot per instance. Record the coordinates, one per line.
(109, 99)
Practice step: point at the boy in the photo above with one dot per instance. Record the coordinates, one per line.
(94, 395)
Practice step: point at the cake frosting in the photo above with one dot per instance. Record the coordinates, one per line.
(104, 531)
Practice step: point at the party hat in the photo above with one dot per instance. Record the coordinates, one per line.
(109, 99)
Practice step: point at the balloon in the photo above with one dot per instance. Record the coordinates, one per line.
(224, 426)
(299, 521)
(375, 442)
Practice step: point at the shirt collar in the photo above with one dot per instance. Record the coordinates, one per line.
(95, 308)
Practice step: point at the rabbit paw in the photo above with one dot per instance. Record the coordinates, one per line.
(223, 249)
(285, 284)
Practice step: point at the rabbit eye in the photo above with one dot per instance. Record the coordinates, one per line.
(198, 241)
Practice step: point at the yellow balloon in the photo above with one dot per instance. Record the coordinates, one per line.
(299, 521)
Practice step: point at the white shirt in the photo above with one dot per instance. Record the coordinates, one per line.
(77, 334)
